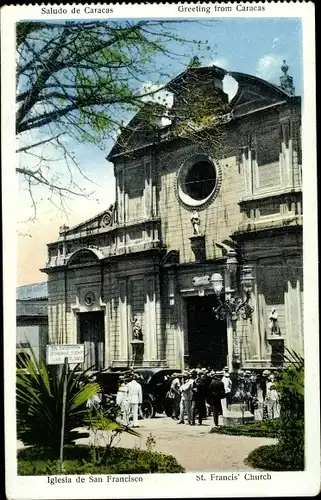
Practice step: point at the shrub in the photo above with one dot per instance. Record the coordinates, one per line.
(265, 428)
(290, 385)
(35, 461)
(272, 458)
(105, 430)
(288, 454)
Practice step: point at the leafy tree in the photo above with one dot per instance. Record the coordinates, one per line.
(85, 79)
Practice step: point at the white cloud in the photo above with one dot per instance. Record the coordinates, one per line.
(269, 67)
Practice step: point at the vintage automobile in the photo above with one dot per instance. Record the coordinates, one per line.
(155, 386)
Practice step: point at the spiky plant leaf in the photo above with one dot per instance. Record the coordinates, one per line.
(39, 395)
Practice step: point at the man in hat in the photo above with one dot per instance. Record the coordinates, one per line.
(186, 390)
(198, 407)
(122, 400)
(135, 397)
(226, 379)
(218, 393)
(272, 398)
(175, 395)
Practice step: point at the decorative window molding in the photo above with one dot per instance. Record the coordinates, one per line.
(198, 181)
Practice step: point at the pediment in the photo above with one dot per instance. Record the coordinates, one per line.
(254, 94)
(104, 220)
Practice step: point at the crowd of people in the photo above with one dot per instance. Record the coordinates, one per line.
(193, 393)
(199, 393)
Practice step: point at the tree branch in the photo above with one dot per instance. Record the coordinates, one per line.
(26, 148)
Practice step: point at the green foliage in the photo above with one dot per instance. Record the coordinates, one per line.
(37, 461)
(271, 457)
(88, 75)
(105, 431)
(288, 453)
(264, 428)
(39, 396)
(290, 386)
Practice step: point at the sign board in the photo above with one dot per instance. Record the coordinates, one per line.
(56, 353)
(201, 281)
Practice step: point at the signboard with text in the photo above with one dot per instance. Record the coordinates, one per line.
(201, 281)
(56, 353)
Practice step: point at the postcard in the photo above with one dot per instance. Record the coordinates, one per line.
(160, 285)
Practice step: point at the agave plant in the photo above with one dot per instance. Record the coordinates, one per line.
(293, 375)
(293, 358)
(39, 398)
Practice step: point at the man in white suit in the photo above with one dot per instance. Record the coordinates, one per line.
(122, 401)
(135, 398)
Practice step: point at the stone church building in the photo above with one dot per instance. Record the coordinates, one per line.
(136, 283)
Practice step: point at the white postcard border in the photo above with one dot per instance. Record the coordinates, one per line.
(167, 485)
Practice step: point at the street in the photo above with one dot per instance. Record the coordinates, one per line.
(193, 447)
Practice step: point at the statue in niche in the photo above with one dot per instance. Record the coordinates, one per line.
(195, 220)
(274, 323)
(137, 329)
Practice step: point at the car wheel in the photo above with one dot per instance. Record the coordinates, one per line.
(147, 409)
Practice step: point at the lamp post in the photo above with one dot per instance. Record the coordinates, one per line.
(233, 307)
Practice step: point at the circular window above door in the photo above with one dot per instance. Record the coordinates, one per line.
(197, 181)
(90, 298)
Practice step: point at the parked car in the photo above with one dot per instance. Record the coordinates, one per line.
(108, 381)
(155, 387)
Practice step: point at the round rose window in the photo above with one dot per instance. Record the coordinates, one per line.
(197, 180)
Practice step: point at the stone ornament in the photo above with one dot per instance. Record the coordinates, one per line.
(89, 298)
(274, 323)
(195, 220)
(137, 329)
(106, 219)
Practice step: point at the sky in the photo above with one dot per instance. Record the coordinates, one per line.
(249, 45)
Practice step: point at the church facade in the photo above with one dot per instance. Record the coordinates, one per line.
(137, 284)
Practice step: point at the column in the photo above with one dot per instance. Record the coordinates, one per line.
(107, 339)
(247, 166)
(286, 153)
(148, 188)
(120, 195)
(227, 281)
(150, 336)
(123, 320)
